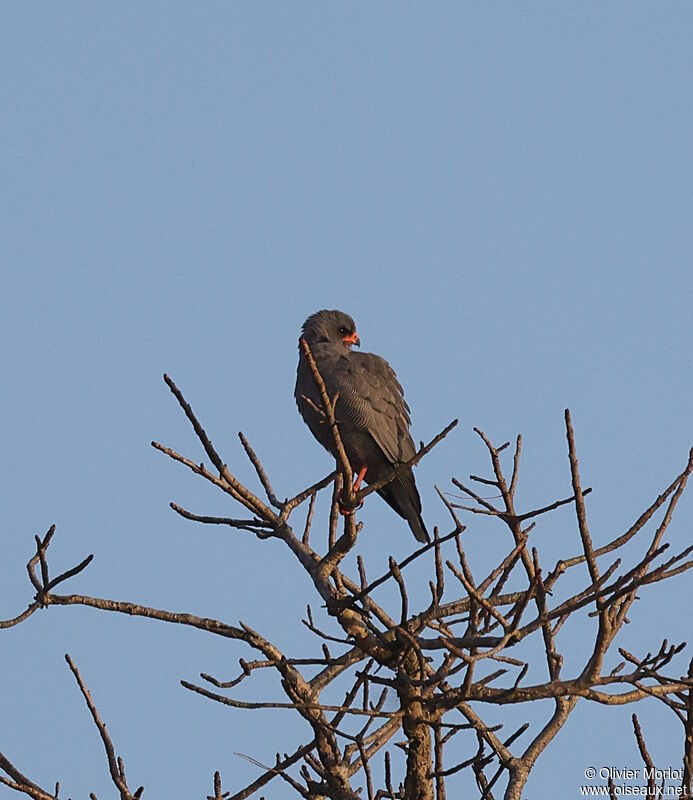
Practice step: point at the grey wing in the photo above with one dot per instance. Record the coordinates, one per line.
(373, 399)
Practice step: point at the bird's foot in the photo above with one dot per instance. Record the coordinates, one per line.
(347, 512)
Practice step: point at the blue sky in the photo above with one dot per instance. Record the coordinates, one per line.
(500, 194)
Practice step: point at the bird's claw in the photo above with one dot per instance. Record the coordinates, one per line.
(348, 512)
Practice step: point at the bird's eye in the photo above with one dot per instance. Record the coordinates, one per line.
(343, 331)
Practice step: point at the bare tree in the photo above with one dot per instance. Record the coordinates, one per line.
(425, 674)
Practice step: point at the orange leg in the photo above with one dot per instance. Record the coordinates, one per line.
(357, 483)
(359, 478)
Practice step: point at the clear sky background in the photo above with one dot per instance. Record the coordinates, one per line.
(500, 194)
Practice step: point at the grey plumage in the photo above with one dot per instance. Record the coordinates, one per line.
(371, 412)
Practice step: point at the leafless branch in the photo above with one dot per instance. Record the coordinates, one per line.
(115, 764)
(434, 662)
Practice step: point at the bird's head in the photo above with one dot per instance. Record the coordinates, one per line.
(330, 326)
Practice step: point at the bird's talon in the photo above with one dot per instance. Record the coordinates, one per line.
(348, 512)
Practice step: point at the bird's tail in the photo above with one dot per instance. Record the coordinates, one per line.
(403, 497)
(418, 528)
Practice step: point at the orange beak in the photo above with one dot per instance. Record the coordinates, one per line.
(351, 339)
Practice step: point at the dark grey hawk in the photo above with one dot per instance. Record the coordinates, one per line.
(371, 412)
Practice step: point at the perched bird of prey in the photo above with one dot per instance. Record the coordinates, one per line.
(371, 412)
